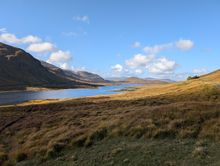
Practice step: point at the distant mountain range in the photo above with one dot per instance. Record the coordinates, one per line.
(19, 70)
(136, 80)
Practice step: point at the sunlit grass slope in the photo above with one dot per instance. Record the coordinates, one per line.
(46, 131)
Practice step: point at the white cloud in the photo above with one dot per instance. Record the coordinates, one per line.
(200, 71)
(117, 68)
(3, 30)
(60, 56)
(11, 38)
(162, 66)
(157, 48)
(184, 44)
(136, 45)
(31, 39)
(139, 60)
(157, 65)
(41, 47)
(37, 45)
(66, 66)
(84, 19)
(138, 71)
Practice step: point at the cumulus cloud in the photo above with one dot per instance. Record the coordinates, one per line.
(148, 61)
(139, 60)
(84, 19)
(138, 71)
(60, 56)
(9, 38)
(41, 47)
(185, 44)
(157, 48)
(117, 68)
(12, 38)
(162, 66)
(136, 45)
(37, 45)
(182, 44)
(31, 39)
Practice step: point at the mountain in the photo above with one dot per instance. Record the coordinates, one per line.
(136, 80)
(19, 69)
(60, 72)
(91, 77)
(116, 79)
(72, 75)
(165, 80)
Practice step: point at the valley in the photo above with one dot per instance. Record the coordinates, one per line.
(109, 83)
(165, 116)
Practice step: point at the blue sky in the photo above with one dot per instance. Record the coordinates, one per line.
(145, 38)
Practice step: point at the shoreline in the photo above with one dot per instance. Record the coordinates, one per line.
(38, 89)
(49, 100)
(35, 89)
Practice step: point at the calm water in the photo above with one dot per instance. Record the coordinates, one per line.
(18, 97)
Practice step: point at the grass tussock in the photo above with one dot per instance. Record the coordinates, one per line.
(54, 150)
(3, 157)
(20, 156)
(96, 136)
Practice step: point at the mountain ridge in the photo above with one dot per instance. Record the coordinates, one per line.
(19, 70)
(77, 75)
(137, 80)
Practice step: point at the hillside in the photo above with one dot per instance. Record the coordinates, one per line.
(169, 124)
(70, 74)
(212, 77)
(91, 77)
(136, 80)
(19, 69)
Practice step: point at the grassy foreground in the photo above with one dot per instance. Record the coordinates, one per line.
(171, 124)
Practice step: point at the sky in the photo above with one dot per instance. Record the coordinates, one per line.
(117, 38)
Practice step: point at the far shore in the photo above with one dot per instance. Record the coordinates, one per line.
(38, 89)
(49, 101)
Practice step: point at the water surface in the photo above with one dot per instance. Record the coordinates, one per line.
(22, 96)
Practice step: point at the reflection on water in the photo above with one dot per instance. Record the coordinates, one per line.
(18, 97)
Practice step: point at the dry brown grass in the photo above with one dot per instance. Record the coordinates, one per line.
(180, 110)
